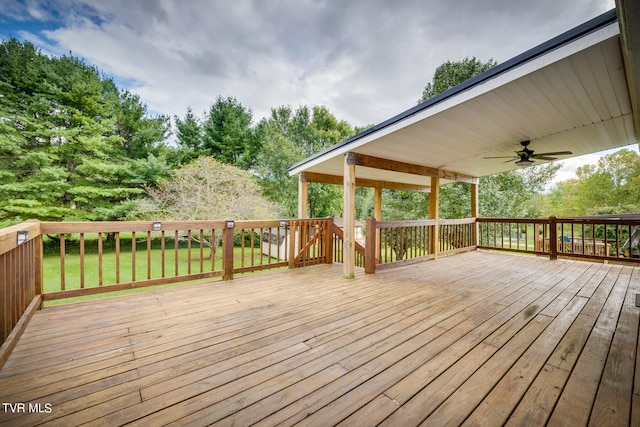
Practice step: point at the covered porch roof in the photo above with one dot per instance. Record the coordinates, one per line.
(578, 92)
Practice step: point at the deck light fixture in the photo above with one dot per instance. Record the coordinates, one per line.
(283, 223)
(230, 224)
(22, 236)
(157, 226)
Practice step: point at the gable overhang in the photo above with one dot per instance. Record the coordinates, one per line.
(568, 94)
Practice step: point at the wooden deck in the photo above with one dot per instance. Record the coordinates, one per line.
(473, 339)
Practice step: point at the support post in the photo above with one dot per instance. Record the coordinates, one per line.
(292, 243)
(227, 250)
(38, 260)
(328, 246)
(553, 238)
(377, 214)
(349, 248)
(370, 247)
(303, 197)
(434, 213)
(474, 213)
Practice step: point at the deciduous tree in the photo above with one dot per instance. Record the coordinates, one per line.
(452, 73)
(611, 186)
(207, 189)
(288, 137)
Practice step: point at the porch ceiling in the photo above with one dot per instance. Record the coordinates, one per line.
(570, 93)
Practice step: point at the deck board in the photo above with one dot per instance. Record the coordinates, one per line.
(477, 339)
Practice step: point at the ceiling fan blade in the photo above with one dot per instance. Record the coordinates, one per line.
(503, 157)
(545, 158)
(556, 153)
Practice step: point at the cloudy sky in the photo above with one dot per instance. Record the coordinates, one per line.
(366, 60)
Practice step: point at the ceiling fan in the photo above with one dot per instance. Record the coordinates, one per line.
(525, 156)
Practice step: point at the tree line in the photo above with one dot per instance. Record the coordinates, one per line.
(73, 146)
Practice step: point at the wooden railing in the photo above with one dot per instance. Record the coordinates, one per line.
(607, 237)
(610, 237)
(20, 282)
(514, 235)
(127, 255)
(337, 252)
(399, 242)
(312, 242)
(456, 235)
(395, 243)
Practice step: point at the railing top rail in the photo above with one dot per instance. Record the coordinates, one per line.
(124, 226)
(127, 226)
(457, 221)
(311, 219)
(516, 220)
(395, 224)
(629, 216)
(629, 219)
(9, 235)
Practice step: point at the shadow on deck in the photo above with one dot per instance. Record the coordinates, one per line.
(478, 338)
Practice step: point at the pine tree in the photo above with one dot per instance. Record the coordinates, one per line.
(63, 155)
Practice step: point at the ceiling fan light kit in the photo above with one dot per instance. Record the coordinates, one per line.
(524, 157)
(524, 163)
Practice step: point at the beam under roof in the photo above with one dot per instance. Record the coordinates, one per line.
(395, 166)
(360, 182)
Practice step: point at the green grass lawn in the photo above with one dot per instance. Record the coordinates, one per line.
(51, 265)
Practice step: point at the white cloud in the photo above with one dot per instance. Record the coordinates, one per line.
(365, 60)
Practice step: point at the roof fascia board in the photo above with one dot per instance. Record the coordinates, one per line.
(628, 13)
(582, 37)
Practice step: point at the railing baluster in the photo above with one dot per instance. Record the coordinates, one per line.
(176, 248)
(201, 237)
(62, 258)
(242, 248)
(162, 252)
(100, 276)
(81, 260)
(148, 255)
(133, 256)
(117, 237)
(189, 251)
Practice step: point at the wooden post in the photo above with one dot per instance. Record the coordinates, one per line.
(303, 197)
(227, 250)
(39, 273)
(377, 214)
(553, 238)
(434, 213)
(371, 247)
(474, 213)
(38, 260)
(292, 244)
(538, 242)
(328, 247)
(349, 248)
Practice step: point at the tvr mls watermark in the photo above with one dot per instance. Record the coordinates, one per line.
(27, 408)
